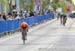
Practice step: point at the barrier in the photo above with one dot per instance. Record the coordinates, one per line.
(12, 25)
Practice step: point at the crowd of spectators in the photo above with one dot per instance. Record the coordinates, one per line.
(12, 15)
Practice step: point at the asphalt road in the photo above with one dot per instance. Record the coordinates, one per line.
(48, 36)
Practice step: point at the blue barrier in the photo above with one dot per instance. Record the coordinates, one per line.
(12, 25)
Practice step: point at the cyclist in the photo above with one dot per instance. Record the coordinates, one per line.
(24, 29)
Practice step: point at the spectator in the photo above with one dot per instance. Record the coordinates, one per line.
(10, 17)
(31, 13)
(59, 12)
(4, 17)
(1, 17)
(21, 12)
(35, 13)
(18, 17)
(9, 13)
(48, 11)
(25, 14)
(28, 13)
(14, 12)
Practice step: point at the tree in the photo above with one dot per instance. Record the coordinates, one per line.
(55, 4)
(32, 5)
(27, 4)
(63, 5)
(44, 4)
(22, 3)
(4, 4)
(56, 1)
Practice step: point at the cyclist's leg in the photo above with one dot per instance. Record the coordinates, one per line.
(64, 21)
(57, 16)
(61, 19)
(23, 41)
(23, 37)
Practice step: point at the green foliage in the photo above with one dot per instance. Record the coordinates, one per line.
(44, 3)
(63, 5)
(32, 5)
(28, 6)
(5, 3)
(56, 1)
(22, 3)
(55, 4)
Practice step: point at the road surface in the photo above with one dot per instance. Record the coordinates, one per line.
(48, 36)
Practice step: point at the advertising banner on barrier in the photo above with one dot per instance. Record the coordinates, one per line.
(12, 25)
